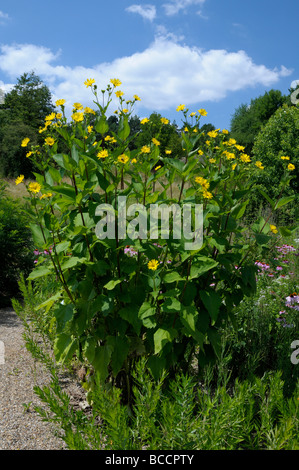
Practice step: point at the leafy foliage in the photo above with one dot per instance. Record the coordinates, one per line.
(160, 299)
(16, 249)
(248, 120)
(22, 114)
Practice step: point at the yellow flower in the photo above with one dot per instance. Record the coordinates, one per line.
(285, 158)
(212, 160)
(234, 166)
(168, 152)
(28, 154)
(164, 120)
(133, 160)
(78, 106)
(19, 179)
(153, 264)
(50, 117)
(206, 194)
(123, 158)
(186, 129)
(110, 139)
(232, 142)
(273, 228)
(291, 167)
(245, 158)
(192, 114)
(224, 131)
(60, 102)
(103, 154)
(89, 82)
(115, 82)
(240, 147)
(229, 155)
(145, 149)
(125, 110)
(212, 134)
(144, 121)
(181, 107)
(88, 110)
(208, 142)
(77, 117)
(202, 181)
(25, 142)
(200, 152)
(119, 93)
(89, 129)
(59, 115)
(259, 165)
(202, 112)
(155, 141)
(49, 141)
(43, 196)
(34, 187)
(157, 167)
(136, 98)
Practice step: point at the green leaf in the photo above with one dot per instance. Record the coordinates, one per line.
(123, 128)
(215, 340)
(64, 347)
(49, 302)
(262, 239)
(201, 266)
(272, 203)
(283, 201)
(130, 314)
(89, 348)
(238, 210)
(101, 125)
(63, 246)
(171, 305)
(212, 302)
(120, 347)
(71, 262)
(188, 318)
(146, 310)
(39, 272)
(162, 337)
(112, 284)
(67, 191)
(172, 276)
(101, 361)
(40, 237)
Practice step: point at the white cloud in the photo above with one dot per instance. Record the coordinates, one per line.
(174, 6)
(148, 12)
(163, 75)
(3, 17)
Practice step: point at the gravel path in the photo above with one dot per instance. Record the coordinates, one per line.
(21, 429)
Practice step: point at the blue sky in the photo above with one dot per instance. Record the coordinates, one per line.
(210, 54)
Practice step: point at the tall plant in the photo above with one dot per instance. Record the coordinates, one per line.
(132, 294)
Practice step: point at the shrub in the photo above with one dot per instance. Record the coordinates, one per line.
(16, 248)
(127, 292)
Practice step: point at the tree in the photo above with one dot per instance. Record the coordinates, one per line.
(166, 133)
(29, 101)
(21, 115)
(279, 138)
(248, 120)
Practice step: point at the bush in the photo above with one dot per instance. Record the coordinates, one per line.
(125, 290)
(16, 246)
